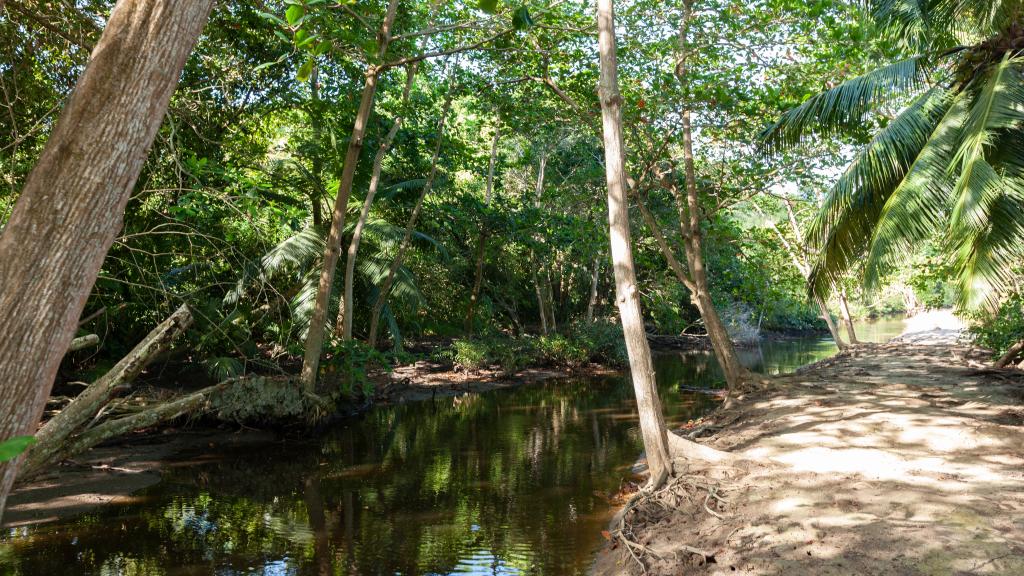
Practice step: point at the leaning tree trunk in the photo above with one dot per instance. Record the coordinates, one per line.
(51, 437)
(410, 226)
(73, 202)
(482, 242)
(346, 310)
(318, 321)
(844, 309)
(652, 421)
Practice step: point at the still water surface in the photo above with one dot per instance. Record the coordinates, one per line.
(508, 482)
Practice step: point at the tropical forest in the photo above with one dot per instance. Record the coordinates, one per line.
(511, 287)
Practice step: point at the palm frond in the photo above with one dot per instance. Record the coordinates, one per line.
(918, 207)
(843, 107)
(985, 221)
(841, 230)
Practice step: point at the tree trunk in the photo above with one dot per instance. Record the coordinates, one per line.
(540, 301)
(1011, 354)
(389, 282)
(176, 408)
(595, 275)
(316, 120)
(844, 310)
(652, 422)
(482, 242)
(73, 202)
(827, 317)
(84, 342)
(51, 437)
(690, 225)
(346, 310)
(318, 322)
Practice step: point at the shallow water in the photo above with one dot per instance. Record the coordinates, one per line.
(507, 482)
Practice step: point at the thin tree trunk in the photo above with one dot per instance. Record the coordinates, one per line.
(547, 320)
(389, 282)
(540, 300)
(318, 165)
(318, 322)
(595, 275)
(799, 260)
(51, 437)
(652, 422)
(690, 224)
(87, 341)
(482, 242)
(844, 310)
(346, 310)
(73, 202)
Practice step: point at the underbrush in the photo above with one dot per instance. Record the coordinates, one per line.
(998, 331)
(600, 343)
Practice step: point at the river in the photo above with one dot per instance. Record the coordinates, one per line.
(506, 482)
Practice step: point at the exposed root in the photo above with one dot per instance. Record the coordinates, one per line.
(652, 502)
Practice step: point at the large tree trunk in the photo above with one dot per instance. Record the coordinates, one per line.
(346, 310)
(482, 241)
(410, 226)
(73, 202)
(51, 437)
(652, 422)
(318, 321)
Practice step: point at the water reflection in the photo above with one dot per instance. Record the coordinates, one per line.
(512, 482)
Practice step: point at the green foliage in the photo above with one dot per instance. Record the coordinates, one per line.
(598, 342)
(347, 366)
(13, 447)
(1000, 330)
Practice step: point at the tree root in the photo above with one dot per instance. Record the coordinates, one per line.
(667, 496)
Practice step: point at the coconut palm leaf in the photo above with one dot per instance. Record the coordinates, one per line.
(841, 108)
(918, 208)
(841, 230)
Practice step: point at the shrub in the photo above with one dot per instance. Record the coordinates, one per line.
(1000, 330)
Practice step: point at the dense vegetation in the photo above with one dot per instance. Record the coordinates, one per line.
(333, 184)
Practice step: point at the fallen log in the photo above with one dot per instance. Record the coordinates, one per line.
(188, 404)
(83, 342)
(1010, 355)
(80, 411)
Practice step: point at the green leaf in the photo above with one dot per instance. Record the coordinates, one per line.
(12, 447)
(322, 48)
(304, 72)
(272, 18)
(521, 19)
(294, 14)
(489, 6)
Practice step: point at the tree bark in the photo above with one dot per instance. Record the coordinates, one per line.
(51, 437)
(844, 310)
(346, 310)
(73, 202)
(482, 242)
(318, 322)
(690, 225)
(595, 276)
(389, 282)
(84, 342)
(652, 422)
(1011, 354)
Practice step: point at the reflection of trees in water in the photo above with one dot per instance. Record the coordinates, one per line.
(496, 480)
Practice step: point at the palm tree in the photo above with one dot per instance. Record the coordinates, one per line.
(951, 163)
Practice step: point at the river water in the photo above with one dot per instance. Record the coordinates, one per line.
(506, 482)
